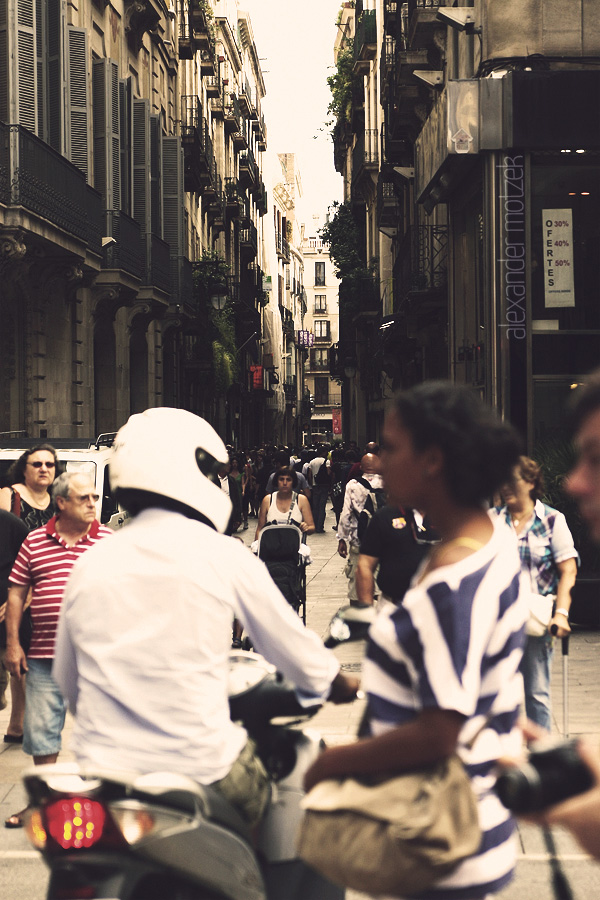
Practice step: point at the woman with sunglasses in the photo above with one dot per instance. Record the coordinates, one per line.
(28, 497)
(31, 476)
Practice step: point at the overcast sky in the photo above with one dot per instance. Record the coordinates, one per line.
(295, 43)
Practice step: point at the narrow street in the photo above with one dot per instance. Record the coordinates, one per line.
(23, 876)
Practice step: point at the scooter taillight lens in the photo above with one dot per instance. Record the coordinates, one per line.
(75, 822)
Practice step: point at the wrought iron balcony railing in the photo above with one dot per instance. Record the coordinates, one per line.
(37, 178)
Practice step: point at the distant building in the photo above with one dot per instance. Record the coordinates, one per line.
(321, 326)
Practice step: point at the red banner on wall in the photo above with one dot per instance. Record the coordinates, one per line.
(257, 377)
(336, 416)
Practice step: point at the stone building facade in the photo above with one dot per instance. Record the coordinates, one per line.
(131, 156)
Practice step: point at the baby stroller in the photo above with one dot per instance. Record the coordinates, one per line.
(279, 548)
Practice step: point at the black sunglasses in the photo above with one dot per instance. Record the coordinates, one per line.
(38, 465)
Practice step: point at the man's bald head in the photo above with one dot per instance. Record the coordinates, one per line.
(370, 464)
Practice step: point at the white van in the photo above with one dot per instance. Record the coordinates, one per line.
(75, 455)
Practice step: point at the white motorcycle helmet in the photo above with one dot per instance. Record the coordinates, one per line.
(172, 452)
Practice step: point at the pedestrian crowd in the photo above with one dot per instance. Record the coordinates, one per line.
(443, 527)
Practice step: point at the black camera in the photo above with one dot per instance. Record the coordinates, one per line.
(553, 772)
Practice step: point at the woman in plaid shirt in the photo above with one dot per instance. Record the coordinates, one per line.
(549, 557)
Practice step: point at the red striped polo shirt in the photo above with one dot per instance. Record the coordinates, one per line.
(44, 562)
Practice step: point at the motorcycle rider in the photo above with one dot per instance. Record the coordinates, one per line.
(145, 627)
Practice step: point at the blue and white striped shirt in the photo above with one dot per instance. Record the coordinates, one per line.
(455, 643)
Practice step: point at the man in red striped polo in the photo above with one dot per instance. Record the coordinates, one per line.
(44, 564)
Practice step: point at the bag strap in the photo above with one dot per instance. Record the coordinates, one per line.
(15, 503)
(292, 505)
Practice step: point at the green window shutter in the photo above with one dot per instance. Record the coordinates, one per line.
(141, 165)
(78, 149)
(26, 64)
(107, 151)
(126, 134)
(4, 117)
(156, 163)
(173, 194)
(53, 81)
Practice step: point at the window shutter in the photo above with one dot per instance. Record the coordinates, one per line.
(173, 194)
(52, 111)
(141, 164)
(312, 358)
(126, 132)
(78, 150)
(156, 163)
(107, 156)
(173, 207)
(26, 64)
(3, 62)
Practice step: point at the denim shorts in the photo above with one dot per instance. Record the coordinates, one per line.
(44, 710)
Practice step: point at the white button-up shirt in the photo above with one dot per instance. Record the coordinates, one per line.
(355, 498)
(143, 642)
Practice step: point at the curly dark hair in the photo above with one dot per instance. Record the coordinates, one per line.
(286, 470)
(16, 473)
(532, 472)
(479, 449)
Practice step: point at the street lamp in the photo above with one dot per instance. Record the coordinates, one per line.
(219, 296)
(350, 366)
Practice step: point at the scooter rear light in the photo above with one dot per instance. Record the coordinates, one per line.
(75, 822)
(137, 821)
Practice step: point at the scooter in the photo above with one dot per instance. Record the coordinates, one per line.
(162, 835)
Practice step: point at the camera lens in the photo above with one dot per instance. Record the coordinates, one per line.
(519, 789)
(549, 776)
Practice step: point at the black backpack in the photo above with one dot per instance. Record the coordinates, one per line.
(322, 476)
(375, 500)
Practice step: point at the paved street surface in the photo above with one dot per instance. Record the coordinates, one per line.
(22, 875)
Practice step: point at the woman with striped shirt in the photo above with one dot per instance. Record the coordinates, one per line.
(442, 669)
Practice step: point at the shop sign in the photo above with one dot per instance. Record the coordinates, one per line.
(559, 285)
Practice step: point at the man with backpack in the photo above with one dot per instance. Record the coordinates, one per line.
(319, 479)
(358, 490)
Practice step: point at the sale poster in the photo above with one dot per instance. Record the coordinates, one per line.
(559, 284)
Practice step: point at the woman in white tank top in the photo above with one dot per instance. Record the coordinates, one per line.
(284, 506)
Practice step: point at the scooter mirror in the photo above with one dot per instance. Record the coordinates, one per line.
(350, 623)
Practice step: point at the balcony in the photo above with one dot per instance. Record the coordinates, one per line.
(423, 24)
(388, 208)
(365, 155)
(290, 389)
(287, 323)
(283, 247)
(422, 266)
(248, 170)
(200, 166)
(387, 69)
(323, 339)
(248, 242)
(37, 178)
(365, 42)
(185, 43)
(157, 264)
(201, 28)
(327, 400)
(261, 199)
(213, 86)
(391, 10)
(215, 206)
(234, 198)
(361, 295)
(246, 100)
(260, 129)
(127, 253)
